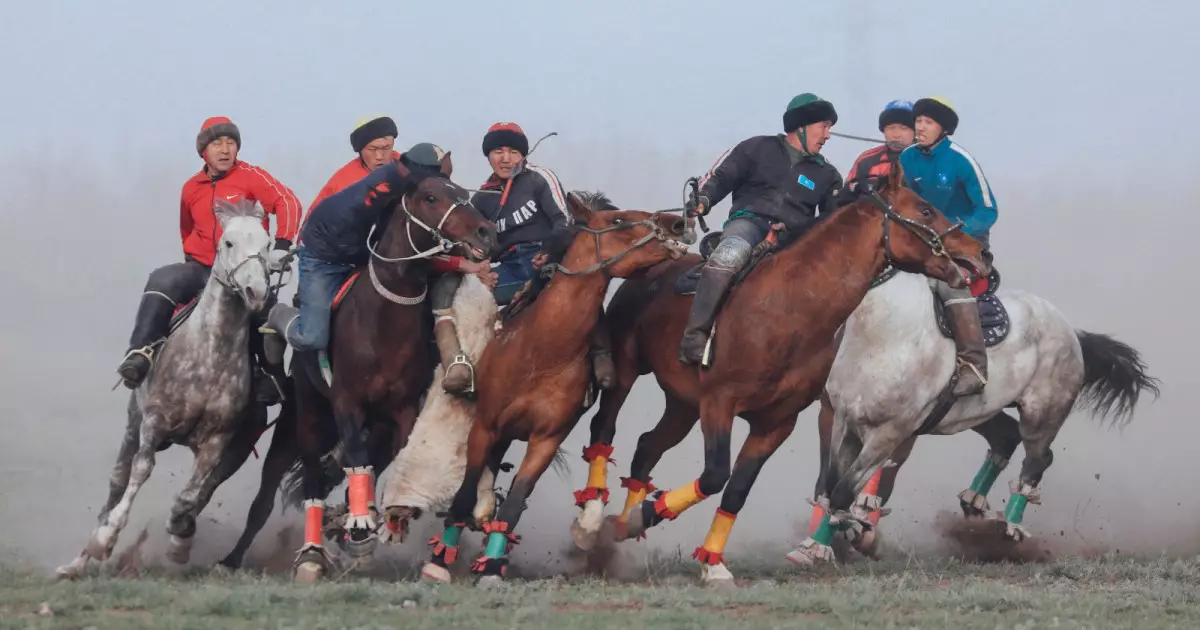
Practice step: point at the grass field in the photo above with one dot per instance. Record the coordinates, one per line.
(1107, 592)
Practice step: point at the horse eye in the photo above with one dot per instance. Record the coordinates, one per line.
(228, 244)
(616, 222)
(431, 199)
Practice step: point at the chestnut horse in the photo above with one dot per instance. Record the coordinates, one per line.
(380, 357)
(534, 374)
(773, 348)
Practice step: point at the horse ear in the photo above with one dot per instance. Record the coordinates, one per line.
(402, 170)
(447, 165)
(254, 210)
(223, 210)
(579, 210)
(895, 180)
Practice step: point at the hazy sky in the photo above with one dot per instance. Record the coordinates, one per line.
(1082, 114)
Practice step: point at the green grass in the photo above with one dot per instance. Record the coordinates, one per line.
(1108, 592)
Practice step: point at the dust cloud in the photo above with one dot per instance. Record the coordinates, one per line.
(1115, 254)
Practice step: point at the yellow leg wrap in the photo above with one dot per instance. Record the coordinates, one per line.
(632, 498)
(673, 503)
(598, 473)
(718, 533)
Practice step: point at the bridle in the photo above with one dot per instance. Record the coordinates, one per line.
(932, 238)
(656, 234)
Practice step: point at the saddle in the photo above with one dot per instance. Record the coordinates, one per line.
(686, 283)
(993, 317)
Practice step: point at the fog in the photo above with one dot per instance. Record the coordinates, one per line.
(1080, 113)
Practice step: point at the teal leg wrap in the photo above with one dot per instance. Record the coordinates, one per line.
(1016, 508)
(987, 475)
(497, 545)
(824, 533)
(451, 535)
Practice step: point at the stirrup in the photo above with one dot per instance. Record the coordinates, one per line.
(974, 368)
(323, 364)
(461, 359)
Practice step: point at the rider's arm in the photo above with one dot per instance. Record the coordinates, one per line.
(983, 204)
(553, 203)
(446, 264)
(278, 200)
(726, 175)
(185, 217)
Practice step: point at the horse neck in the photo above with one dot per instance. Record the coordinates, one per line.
(220, 321)
(903, 305)
(843, 252)
(398, 277)
(566, 311)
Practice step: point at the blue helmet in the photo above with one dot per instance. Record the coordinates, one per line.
(898, 112)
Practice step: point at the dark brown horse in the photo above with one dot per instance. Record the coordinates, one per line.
(381, 361)
(773, 349)
(534, 374)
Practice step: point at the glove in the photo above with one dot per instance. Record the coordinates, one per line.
(278, 258)
(697, 206)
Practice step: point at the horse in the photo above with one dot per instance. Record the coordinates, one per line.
(197, 394)
(772, 349)
(427, 473)
(888, 377)
(534, 375)
(380, 359)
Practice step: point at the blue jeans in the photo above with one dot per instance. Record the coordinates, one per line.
(738, 238)
(317, 284)
(514, 270)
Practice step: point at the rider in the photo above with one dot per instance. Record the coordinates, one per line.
(898, 128)
(333, 243)
(373, 140)
(223, 176)
(774, 179)
(946, 176)
(530, 211)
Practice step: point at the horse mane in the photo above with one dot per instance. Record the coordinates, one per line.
(241, 208)
(595, 200)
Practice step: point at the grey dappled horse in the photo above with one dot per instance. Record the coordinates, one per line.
(198, 392)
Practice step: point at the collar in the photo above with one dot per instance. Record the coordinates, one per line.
(805, 155)
(203, 177)
(941, 145)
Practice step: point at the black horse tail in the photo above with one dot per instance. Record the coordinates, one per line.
(1114, 377)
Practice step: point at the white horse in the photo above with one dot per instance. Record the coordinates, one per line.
(893, 365)
(429, 469)
(197, 394)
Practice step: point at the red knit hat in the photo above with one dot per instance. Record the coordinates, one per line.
(214, 128)
(505, 134)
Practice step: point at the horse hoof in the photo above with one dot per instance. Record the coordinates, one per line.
(584, 539)
(179, 550)
(488, 582)
(1016, 532)
(435, 573)
(717, 576)
(222, 570)
(309, 572)
(810, 553)
(634, 526)
(102, 544)
(866, 543)
(71, 571)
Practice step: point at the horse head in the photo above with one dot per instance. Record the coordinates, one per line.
(444, 210)
(241, 260)
(926, 242)
(626, 241)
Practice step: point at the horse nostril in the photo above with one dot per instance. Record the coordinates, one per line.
(250, 292)
(679, 226)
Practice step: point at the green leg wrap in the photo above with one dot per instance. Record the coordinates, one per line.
(497, 544)
(824, 533)
(1016, 508)
(986, 476)
(451, 535)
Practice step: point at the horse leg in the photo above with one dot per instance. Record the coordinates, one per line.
(279, 458)
(493, 565)
(677, 421)
(313, 560)
(716, 423)
(824, 437)
(755, 452)
(216, 460)
(384, 445)
(104, 537)
(876, 494)
(592, 499)
(360, 541)
(119, 480)
(844, 447)
(1039, 427)
(1003, 435)
(485, 494)
(480, 444)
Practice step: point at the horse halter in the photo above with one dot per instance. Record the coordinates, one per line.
(228, 282)
(443, 244)
(656, 233)
(928, 235)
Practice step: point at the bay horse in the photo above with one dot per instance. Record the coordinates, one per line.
(888, 375)
(534, 374)
(197, 394)
(773, 348)
(380, 358)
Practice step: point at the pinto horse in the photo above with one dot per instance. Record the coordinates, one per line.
(534, 374)
(773, 348)
(872, 413)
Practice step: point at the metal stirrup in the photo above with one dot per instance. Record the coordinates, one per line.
(461, 359)
(978, 374)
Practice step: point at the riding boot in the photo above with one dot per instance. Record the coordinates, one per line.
(972, 353)
(714, 282)
(274, 332)
(267, 377)
(151, 324)
(602, 362)
(459, 373)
